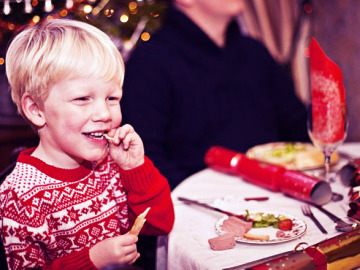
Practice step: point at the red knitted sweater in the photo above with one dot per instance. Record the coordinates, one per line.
(50, 217)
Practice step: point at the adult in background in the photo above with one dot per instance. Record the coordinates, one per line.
(198, 82)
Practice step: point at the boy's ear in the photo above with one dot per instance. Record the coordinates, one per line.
(32, 110)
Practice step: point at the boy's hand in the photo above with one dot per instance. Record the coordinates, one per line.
(115, 251)
(126, 147)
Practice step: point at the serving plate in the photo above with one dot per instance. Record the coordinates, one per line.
(291, 155)
(298, 229)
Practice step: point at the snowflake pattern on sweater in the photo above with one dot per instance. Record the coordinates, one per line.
(44, 218)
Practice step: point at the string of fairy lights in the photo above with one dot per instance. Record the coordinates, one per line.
(48, 6)
(126, 21)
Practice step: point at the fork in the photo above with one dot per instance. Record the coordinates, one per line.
(307, 212)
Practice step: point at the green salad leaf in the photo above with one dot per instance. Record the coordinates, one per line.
(261, 220)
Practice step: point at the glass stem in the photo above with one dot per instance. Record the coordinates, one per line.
(327, 167)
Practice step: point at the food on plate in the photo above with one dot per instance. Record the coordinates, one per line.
(238, 231)
(260, 220)
(266, 227)
(253, 236)
(255, 220)
(222, 242)
(291, 155)
(139, 222)
(246, 224)
(285, 224)
(236, 226)
(280, 234)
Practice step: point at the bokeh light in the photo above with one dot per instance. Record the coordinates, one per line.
(108, 12)
(35, 19)
(11, 26)
(124, 18)
(63, 13)
(132, 6)
(145, 36)
(87, 8)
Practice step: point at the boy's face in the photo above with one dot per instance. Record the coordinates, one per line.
(77, 112)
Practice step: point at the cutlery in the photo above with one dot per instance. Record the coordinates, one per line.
(336, 197)
(208, 207)
(307, 212)
(341, 225)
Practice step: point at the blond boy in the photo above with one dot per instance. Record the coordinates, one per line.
(70, 201)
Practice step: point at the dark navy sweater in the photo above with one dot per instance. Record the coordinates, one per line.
(183, 94)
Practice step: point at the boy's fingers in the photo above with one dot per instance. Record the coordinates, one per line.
(127, 239)
(126, 141)
(124, 130)
(130, 258)
(115, 140)
(129, 249)
(135, 259)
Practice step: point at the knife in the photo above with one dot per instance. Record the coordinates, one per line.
(208, 206)
(341, 225)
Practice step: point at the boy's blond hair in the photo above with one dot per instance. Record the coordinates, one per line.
(58, 49)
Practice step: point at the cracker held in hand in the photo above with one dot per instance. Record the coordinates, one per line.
(139, 222)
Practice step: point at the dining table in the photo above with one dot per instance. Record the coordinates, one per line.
(187, 246)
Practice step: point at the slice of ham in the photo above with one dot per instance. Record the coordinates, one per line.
(280, 234)
(246, 224)
(230, 227)
(222, 242)
(236, 226)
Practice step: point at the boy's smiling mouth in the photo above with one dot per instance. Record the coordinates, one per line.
(95, 135)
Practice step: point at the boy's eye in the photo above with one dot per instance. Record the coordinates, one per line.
(81, 99)
(116, 99)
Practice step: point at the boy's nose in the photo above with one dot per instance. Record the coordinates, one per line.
(101, 112)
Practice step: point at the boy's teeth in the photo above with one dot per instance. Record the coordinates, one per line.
(97, 134)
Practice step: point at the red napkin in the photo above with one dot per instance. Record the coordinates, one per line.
(272, 177)
(327, 89)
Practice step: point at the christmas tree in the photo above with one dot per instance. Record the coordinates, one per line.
(126, 21)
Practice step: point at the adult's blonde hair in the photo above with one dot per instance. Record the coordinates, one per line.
(43, 54)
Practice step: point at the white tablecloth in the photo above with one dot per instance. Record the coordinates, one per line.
(186, 247)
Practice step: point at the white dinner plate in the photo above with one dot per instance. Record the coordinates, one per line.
(298, 229)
